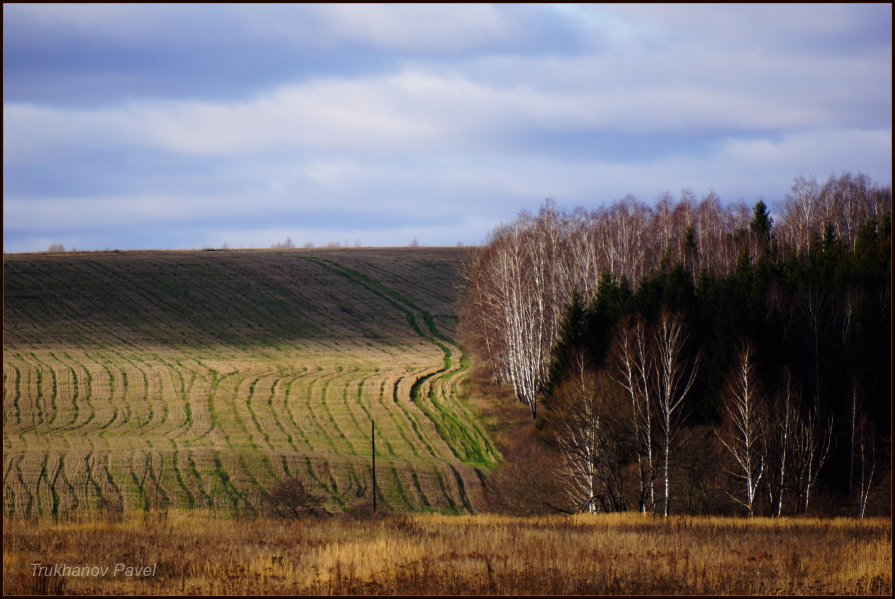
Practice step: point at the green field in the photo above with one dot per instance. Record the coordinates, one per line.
(135, 381)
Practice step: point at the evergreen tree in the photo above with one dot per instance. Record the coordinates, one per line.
(572, 339)
(762, 222)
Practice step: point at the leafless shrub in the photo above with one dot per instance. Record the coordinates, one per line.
(283, 245)
(291, 499)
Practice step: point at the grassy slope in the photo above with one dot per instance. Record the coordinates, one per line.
(199, 379)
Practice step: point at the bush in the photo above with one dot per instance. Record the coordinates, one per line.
(291, 499)
(284, 245)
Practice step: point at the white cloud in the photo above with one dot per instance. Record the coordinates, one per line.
(36, 214)
(420, 110)
(480, 184)
(793, 29)
(30, 131)
(416, 27)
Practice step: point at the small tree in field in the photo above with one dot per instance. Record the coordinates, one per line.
(56, 248)
(291, 499)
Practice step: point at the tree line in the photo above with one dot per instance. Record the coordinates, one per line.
(630, 330)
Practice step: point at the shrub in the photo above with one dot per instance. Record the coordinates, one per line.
(291, 499)
(284, 245)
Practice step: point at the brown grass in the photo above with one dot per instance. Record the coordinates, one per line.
(203, 553)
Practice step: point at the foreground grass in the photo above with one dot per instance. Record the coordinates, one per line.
(202, 553)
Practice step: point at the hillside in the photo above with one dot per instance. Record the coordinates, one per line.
(138, 380)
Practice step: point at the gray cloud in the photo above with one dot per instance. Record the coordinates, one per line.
(250, 122)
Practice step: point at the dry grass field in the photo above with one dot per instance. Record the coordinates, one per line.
(205, 553)
(135, 381)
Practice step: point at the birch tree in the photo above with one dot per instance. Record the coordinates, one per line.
(866, 455)
(519, 292)
(862, 466)
(814, 438)
(590, 443)
(583, 253)
(783, 418)
(674, 376)
(744, 438)
(800, 214)
(707, 227)
(634, 372)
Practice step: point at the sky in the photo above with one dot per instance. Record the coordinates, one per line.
(190, 126)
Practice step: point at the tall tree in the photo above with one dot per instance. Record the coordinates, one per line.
(635, 373)
(814, 438)
(675, 375)
(866, 456)
(782, 421)
(760, 230)
(591, 442)
(744, 437)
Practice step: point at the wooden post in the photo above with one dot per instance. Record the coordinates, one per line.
(373, 440)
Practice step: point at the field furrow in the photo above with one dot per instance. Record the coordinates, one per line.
(142, 380)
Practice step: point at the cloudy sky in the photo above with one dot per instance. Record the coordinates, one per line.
(180, 126)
